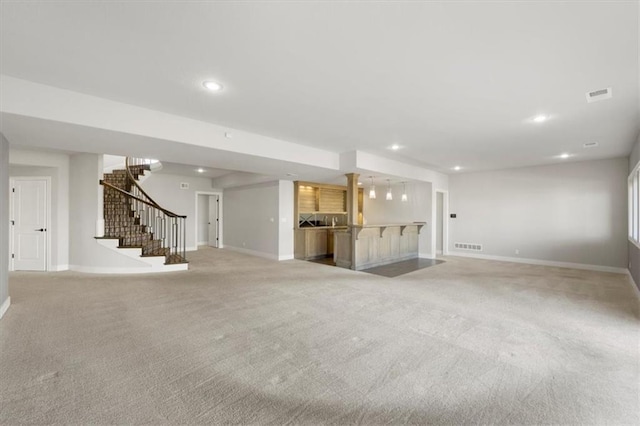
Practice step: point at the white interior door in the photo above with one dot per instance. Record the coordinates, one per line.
(214, 202)
(29, 213)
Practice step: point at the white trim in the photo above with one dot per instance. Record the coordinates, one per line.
(48, 225)
(120, 270)
(286, 257)
(203, 243)
(584, 266)
(426, 256)
(5, 306)
(147, 264)
(195, 216)
(634, 242)
(193, 248)
(59, 268)
(254, 253)
(636, 290)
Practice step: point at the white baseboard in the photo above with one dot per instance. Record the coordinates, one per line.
(4, 307)
(119, 270)
(203, 243)
(191, 248)
(426, 256)
(253, 252)
(584, 266)
(59, 268)
(636, 290)
(285, 257)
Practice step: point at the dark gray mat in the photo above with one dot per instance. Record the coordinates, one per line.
(404, 267)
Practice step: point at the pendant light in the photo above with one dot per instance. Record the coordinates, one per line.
(372, 189)
(389, 194)
(404, 191)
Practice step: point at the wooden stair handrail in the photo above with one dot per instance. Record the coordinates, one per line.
(152, 203)
(135, 182)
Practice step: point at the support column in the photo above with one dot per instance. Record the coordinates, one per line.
(352, 198)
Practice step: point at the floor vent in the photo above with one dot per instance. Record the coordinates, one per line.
(599, 95)
(468, 246)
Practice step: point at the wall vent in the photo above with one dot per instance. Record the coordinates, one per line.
(468, 246)
(599, 95)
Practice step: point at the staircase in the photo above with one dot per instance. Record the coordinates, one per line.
(137, 221)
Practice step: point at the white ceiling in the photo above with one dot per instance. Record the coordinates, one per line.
(454, 83)
(188, 170)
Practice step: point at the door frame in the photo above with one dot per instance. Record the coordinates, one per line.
(48, 238)
(219, 194)
(445, 221)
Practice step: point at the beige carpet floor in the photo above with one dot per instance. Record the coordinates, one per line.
(245, 340)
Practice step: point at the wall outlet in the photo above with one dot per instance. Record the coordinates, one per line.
(517, 251)
(244, 244)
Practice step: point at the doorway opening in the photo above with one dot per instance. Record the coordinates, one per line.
(30, 223)
(208, 219)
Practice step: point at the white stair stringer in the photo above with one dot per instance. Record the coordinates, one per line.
(155, 263)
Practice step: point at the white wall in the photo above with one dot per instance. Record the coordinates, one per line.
(371, 165)
(572, 213)
(165, 190)
(418, 208)
(42, 163)
(251, 219)
(4, 225)
(111, 162)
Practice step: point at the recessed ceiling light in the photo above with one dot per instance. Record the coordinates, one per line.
(564, 155)
(540, 118)
(395, 147)
(212, 85)
(457, 168)
(200, 170)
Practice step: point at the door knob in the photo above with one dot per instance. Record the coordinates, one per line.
(41, 229)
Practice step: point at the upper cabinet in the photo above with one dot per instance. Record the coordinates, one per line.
(320, 198)
(316, 203)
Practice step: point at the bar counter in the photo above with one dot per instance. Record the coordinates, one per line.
(365, 246)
